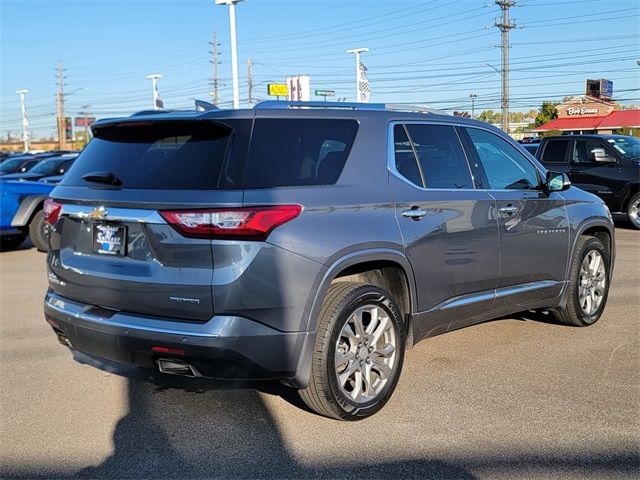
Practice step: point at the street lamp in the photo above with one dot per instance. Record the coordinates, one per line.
(25, 120)
(357, 52)
(157, 102)
(473, 97)
(234, 47)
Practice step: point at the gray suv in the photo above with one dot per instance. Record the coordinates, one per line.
(311, 243)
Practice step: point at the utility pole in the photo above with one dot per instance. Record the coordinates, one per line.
(505, 25)
(473, 97)
(215, 93)
(25, 120)
(250, 80)
(62, 140)
(234, 48)
(357, 52)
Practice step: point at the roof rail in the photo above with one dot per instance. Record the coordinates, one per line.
(280, 104)
(148, 112)
(285, 104)
(405, 107)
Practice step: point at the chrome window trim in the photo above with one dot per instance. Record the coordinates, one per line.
(137, 215)
(391, 154)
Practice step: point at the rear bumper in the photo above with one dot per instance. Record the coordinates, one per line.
(224, 347)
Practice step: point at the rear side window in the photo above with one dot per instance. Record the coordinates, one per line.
(440, 155)
(555, 151)
(286, 152)
(406, 162)
(157, 155)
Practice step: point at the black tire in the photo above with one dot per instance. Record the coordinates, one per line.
(573, 313)
(633, 210)
(324, 395)
(11, 242)
(37, 232)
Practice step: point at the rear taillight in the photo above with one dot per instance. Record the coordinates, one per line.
(248, 223)
(52, 211)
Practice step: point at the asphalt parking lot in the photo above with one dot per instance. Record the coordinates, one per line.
(521, 397)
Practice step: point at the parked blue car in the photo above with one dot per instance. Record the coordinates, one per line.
(21, 213)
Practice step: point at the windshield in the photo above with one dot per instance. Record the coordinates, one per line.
(11, 165)
(628, 147)
(46, 167)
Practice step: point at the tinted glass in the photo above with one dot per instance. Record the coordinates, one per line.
(406, 162)
(298, 152)
(629, 147)
(505, 167)
(11, 165)
(156, 155)
(556, 151)
(47, 167)
(583, 151)
(441, 156)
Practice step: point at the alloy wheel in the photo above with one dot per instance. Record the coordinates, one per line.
(592, 282)
(365, 353)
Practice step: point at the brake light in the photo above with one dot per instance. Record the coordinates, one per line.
(52, 211)
(247, 223)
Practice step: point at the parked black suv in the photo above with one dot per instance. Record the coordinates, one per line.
(605, 165)
(312, 243)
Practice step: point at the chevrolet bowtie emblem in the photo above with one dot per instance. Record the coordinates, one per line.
(98, 213)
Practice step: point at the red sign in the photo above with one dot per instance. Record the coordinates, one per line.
(80, 121)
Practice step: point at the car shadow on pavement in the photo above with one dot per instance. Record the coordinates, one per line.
(200, 428)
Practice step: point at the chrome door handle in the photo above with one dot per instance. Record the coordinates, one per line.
(414, 213)
(509, 210)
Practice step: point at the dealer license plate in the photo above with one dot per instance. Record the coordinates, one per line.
(109, 239)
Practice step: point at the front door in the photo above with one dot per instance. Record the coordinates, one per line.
(533, 225)
(449, 227)
(598, 177)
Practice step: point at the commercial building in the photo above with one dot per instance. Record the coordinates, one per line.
(593, 112)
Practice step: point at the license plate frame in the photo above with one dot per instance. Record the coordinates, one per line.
(109, 239)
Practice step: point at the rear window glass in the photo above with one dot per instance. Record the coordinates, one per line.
(286, 152)
(157, 155)
(555, 151)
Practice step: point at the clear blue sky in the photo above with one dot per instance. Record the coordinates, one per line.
(432, 52)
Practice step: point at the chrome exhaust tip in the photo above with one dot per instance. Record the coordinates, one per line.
(174, 366)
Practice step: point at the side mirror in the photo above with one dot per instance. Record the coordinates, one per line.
(557, 182)
(601, 155)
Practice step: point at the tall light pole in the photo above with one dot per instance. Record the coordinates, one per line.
(234, 48)
(25, 120)
(473, 97)
(357, 52)
(156, 95)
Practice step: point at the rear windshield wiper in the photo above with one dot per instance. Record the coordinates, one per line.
(102, 177)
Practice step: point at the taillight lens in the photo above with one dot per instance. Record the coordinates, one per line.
(52, 211)
(248, 223)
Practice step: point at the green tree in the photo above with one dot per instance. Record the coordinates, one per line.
(489, 116)
(551, 133)
(546, 113)
(634, 132)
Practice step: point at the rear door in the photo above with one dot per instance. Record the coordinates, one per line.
(556, 154)
(533, 225)
(111, 248)
(449, 227)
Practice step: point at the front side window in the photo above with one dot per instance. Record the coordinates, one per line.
(556, 151)
(583, 151)
(441, 159)
(505, 167)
